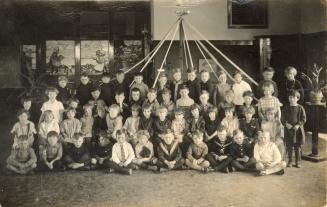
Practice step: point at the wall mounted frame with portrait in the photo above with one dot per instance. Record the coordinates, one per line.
(247, 14)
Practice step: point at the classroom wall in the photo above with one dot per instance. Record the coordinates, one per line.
(313, 16)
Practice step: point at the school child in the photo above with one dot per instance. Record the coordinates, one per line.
(152, 100)
(220, 90)
(99, 124)
(96, 101)
(248, 99)
(161, 124)
(197, 151)
(63, 91)
(205, 84)
(211, 123)
(120, 84)
(52, 104)
(167, 102)
(106, 89)
(124, 109)
(204, 103)
(241, 153)
(47, 125)
(162, 85)
(267, 74)
(193, 85)
(83, 91)
(102, 151)
(144, 153)
(219, 151)
(87, 125)
(31, 107)
(292, 84)
(228, 102)
(268, 101)
(23, 127)
(52, 153)
(135, 97)
(176, 84)
(138, 83)
(239, 87)
(196, 121)
(169, 153)
(69, 126)
(250, 125)
(122, 154)
(184, 102)
(74, 103)
(267, 156)
(230, 121)
(132, 125)
(146, 120)
(78, 156)
(22, 159)
(293, 119)
(275, 129)
(114, 120)
(179, 127)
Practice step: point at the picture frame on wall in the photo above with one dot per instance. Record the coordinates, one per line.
(247, 14)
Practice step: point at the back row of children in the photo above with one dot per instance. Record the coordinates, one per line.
(176, 123)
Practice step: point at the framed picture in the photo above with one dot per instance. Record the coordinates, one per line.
(128, 52)
(247, 13)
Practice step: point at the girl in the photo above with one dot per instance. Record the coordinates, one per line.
(132, 125)
(23, 127)
(52, 104)
(47, 125)
(221, 89)
(87, 123)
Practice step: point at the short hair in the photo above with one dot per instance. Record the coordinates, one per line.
(121, 131)
(166, 91)
(84, 74)
(294, 93)
(100, 108)
(194, 106)
(249, 110)
(138, 74)
(120, 72)
(62, 78)
(237, 72)
(163, 75)
(248, 93)
(221, 72)
(162, 107)
(167, 131)
(25, 98)
(141, 133)
(119, 92)
(229, 108)
(270, 110)
(104, 134)
(52, 134)
(22, 111)
(177, 70)
(71, 109)
(268, 84)
(204, 92)
(191, 70)
(152, 90)
(51, 89)
(237, 131)
(74, 99)
(78, 135)
(95, 88)
(136, 90)
(269, 69)
(184, 87)
(178, 111)
(204, 71)
(197, 133)
(290, 69)
(114, 106)
(136, 107)
(147, 106)
(221, 128)
(86, 106)
(106, 74)
(212, 109)
(47, 112)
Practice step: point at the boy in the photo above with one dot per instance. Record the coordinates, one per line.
(219, 154)
(193, 85)
(211, 123)
(179, 127)
(267, 156)
(52, 153)
(147, 121)
(114, 120)
(132, 125)
(122, 154)
(197, 151)
(106, 89)
(184, 102)
(29, 106)
(169, 153)
(222, 87)
(239, 87)
(152, 101)
(83, 91)
(241, 153)
(248, 98)
(138, 83)
(52, 104)
(120, 84)
(230, 121)
(64, 92)
(268, 101)
(102, 151)
(196, 122)
(204, 104)
(74, 103)
(228, 102)
(124, 109)
(78, 156)
(87, 125)
(293, 119)
(167, 102)
(162, 85)
(205, 83)
(250, 125)
(144, 151)
(135, 97)
(96, 101)
(22, 159)
(70, 126)
(176, 84)
(292, 84)
(268, 74)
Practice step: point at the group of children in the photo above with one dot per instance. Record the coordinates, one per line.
(177, 125)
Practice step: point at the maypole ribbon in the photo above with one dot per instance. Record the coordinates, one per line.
(188, 47)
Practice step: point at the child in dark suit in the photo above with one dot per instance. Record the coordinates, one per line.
(64, 93)
(193, 85)
(83, 91)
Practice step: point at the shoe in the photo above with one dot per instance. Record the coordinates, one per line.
(281, 172)
(111, 170)
(297, 165)
(262, 173)
(210, 169)
(289, 164)
(204, 170)
(226, 170)
(130, 172)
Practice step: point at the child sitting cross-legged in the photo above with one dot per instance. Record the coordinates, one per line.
(77, 156)
(22, 159)
(219, 153)
(122, 155)
(144, 152)
(101, 153)
(169, 153)
(52, 153)
(197, 151)
(267, 156)
(132, 125)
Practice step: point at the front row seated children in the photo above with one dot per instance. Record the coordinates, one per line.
(267, 156)
(51, 153)
(69, 127)
(230, 121)
(101, 153)
(169, 153)
(132, 125)
(114, 120)
(22, 159)
(293, 118)
(219, 151)
(197, 151)
(23, 127)
(241, 153)
(77, 155)
(211, 123)
(144, 151)
(122, 154)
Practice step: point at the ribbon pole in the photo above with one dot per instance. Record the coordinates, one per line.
(188, 47)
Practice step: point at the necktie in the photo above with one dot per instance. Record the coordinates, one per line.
(123, 156)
